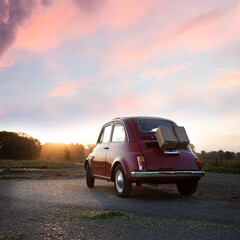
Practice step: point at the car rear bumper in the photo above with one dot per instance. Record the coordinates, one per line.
(170, 174)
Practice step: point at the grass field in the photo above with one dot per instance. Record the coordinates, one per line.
(230, 166)
(35, 164)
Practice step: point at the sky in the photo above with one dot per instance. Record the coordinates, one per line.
(69, 66)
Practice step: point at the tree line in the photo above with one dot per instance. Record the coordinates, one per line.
(218, 156)
(14, 145)
(20, 146)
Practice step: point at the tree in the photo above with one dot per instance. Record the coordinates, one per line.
(221, 153)
(67, 152)
(233, 155)
(228, 155)
(203, 155)
(78, 152)
(15, 145)
(90, 148)
(212, 155)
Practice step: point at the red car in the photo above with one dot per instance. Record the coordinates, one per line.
(127, 151)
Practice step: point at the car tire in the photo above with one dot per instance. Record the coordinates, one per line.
(187, 188)
(123, 187)
(89, 179)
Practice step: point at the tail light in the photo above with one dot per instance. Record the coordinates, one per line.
(198, 162)
(141, 163)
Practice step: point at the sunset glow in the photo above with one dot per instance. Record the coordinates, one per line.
(67, 67)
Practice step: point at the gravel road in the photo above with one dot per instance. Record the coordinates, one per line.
(67, 209)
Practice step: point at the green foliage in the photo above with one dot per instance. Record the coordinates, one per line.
(189, 223)
(15, 145)
(7, 164)
(218, 156)
(225, 166)
(95, 214)
(228, 155)
(139, 220)
(220, 161)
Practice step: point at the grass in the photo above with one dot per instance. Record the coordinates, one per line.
(35, 164)
(95, 214)
(139, 220)
(9, 170)
(27, 173)
(191, 223)
(230, 166)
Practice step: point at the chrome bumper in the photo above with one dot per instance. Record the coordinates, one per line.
(172, 174)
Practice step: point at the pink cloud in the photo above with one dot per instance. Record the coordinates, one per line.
(14, 85)
(67, 89)
(162, 73)
(132, 104)
(226, 80)
(206, 30)
(49, 26)
(186, 36)
(12, 15)
(46, 26)
(123, 59)
(116, 15)
(62, 20)
(2, 111)
(52, 111)
(6, 64)
(129, 103)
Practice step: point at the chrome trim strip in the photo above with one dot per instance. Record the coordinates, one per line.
(171, 152)
(169, 174)
(100, 176)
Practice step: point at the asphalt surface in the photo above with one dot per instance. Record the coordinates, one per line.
(55, 208)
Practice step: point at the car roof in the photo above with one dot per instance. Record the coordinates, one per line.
(135, 118)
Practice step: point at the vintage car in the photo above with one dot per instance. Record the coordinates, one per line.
(127, 151)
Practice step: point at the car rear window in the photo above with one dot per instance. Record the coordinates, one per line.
(151, 125)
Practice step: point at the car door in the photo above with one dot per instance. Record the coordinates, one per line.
(98, 166)
(116, 147)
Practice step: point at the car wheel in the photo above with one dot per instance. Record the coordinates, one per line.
(123, 187)
(187, 188)
(89, 178)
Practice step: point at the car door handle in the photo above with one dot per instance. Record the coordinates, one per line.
(106, 148)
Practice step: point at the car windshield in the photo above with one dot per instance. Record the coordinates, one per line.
(151, 125)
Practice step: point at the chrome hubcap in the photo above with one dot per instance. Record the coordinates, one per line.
(119, 181)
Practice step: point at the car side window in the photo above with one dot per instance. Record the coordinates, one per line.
(118, 133)
(105, 137)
